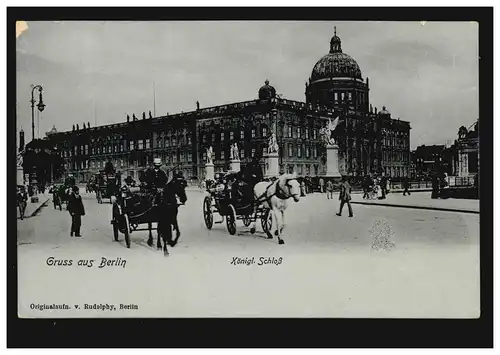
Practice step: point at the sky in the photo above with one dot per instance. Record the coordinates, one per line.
(98, 71)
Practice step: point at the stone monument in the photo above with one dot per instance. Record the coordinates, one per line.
(332, 149)
(209, 165)
(272, 166)
(20, 172)
(235, 158)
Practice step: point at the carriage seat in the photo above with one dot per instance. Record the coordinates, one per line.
(141, 201)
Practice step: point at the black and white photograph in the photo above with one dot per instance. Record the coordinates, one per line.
(256, 169)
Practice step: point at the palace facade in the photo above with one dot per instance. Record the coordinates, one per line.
(369, 141)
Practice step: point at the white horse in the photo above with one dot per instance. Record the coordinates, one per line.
(274, 195)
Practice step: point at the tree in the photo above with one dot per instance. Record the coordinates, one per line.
(40, 158)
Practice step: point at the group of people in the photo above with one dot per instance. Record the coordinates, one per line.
(240, 184)
(378, 186)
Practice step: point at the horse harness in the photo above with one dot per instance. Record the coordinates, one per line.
(279, 193)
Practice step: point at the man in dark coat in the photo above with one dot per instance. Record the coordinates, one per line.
(253, 172)
(406, 186)
(76, 210)
(156, 178)
(383, 186)
(435, 186)
(248, 178)
(70, 181)
(345, 196)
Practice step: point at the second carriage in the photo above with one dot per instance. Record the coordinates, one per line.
(220, 200)
(107, 185)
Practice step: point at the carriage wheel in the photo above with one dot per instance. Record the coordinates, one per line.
(127, 231)
(231, 220)
(266, 222)
(246, 221)
(207, 212)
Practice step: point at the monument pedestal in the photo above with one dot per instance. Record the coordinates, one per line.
(273, 165)
(209, 171)
(20, 175)
(235, 165)
(332, 161)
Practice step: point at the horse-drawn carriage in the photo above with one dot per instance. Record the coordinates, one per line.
(60, 193)
(107, 185)
(232, 204)
(136, 206)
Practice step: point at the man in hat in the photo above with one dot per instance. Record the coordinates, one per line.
(253, 171)
(156, 178)
(345, 196)
(70, 181)
(250, 176)
(76, 210)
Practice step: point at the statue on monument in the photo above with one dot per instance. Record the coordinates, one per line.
(210, 154)
(327, 132)
(273, 144)
(235, 152)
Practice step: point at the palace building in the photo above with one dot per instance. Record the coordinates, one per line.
(369, 141)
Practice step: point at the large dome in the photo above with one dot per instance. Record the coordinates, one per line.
(336, 64)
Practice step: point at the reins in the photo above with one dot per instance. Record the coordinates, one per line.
(278, 192)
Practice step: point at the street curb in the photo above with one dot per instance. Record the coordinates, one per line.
(429, 208)
(39, 207)
(415, 207)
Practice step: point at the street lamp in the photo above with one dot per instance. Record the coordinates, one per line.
(41, 107)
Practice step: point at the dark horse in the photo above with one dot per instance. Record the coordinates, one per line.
(168, 208)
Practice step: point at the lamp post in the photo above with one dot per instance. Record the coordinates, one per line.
(41, 107)
(281, 125)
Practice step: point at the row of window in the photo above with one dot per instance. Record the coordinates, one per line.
(396, 142)
(300, 132)
(290, 132)
(300, 150)
(396, 156)
(140, 144)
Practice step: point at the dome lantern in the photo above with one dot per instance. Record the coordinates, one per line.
(384, 111)
(267, 91)
(335, 43)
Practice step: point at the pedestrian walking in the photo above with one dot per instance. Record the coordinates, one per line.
(367, 183)
(302, 188)
(435, 186)
(329, 189)
(406, 186)
(345, 196)
(22, 200)
(322, 185)
(76, 210)
(383, 187)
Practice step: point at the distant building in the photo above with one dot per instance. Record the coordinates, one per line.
(429, 159)
(458, 159)
(369, 141)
